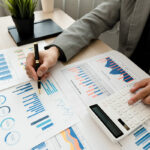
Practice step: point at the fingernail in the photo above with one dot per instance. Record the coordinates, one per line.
(40, 73)
(130, 102)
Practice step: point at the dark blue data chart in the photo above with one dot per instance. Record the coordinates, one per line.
(116, 69)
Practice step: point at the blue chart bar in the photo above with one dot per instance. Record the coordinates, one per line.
(140, 132)
(44, 123)
(5, 73)
(147, 147)
(49, 87)
(23, 89)
(34, 107)
(145, 138)
(41, 146)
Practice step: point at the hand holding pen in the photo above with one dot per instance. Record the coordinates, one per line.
(48, 59)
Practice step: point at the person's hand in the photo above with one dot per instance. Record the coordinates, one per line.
(143, 93)
(48, 58)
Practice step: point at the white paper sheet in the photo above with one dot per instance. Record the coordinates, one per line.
(101, 76)
(12, 65)
(70, 139)
(27, 117)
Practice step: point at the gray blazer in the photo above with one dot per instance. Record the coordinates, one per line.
(132, 15)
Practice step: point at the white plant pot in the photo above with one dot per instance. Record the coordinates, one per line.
(47, 5)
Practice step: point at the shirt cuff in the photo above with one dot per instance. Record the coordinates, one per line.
(62, 56)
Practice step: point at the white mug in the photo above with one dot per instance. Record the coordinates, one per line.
(47, 5)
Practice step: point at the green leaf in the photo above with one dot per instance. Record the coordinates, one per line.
(23, 9)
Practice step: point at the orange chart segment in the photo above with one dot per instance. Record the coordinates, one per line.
(71, 138)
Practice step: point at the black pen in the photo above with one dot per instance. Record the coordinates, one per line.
(37, 65)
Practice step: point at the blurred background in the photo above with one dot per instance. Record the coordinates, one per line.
(76, 9)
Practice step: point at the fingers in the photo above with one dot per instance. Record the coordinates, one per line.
(138, 85)
(45, 76)
(142, 94)
(146, 100)
(43, 69)
(29, 66)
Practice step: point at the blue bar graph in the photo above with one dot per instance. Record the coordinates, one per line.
(5, 73)
(143, 139)
(140, 132)
(116, 69)
(34, 107)
(49, 87)
(147, 146)
(43, 123)
(23, 89)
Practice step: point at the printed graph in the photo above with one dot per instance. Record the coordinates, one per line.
(142, 138)
(49, 87)
(5, 73)
(33, 106)
(21, 57)
(85, 79)
(71, 138)
(23, 89)
(116, 69)
(41, 146)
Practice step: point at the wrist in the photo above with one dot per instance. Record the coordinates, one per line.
(55, 51)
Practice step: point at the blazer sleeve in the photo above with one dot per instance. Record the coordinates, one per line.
(88, 28)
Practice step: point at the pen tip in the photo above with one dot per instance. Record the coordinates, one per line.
(39, 91)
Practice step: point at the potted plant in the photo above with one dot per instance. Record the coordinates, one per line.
(22, 12)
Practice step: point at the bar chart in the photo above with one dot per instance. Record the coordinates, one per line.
(35, 110)
(49, 87)
(5, 73)
(21, 57)
(142, 138)
(23, 89)
(116, 69)
(139, 139)
(84, 78)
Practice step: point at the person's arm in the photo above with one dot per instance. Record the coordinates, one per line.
(89, 27)
(77, 36)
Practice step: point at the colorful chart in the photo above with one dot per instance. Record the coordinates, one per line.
(71, 138)
(5, 73)
(84, 78)
(49, 87)
(21, 56)
(33, 107)
(116, 69)
(142, 138)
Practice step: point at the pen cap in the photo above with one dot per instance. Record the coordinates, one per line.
(36, 51)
